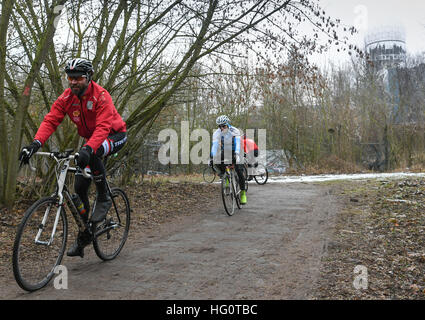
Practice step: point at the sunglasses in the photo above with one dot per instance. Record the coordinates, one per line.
(222, 126)
(80, 78)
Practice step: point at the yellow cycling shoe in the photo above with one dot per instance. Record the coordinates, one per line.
(243, 197)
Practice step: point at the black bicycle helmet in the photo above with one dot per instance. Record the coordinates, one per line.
(78, 67)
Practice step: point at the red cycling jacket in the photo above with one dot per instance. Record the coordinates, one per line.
(249, 145)
(95, 116)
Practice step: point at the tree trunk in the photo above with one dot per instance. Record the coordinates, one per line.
(24, 100)
(6, 10)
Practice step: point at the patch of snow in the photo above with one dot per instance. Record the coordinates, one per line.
(333, 177)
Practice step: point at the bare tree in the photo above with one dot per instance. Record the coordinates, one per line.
(143, 53)
(22, 93)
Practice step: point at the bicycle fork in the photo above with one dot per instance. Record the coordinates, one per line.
(228, 179)
(231, 182)
(42, 225)
(61, 183)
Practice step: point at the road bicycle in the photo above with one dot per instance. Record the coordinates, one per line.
(41, 236)
(260, 172)
(230, 190)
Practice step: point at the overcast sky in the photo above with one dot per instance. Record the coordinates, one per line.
(373, 13)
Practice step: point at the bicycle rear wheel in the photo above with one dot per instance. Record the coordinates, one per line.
(227, 195)
(262, 174)
(111, 234)
(34, 263)
(209, 175)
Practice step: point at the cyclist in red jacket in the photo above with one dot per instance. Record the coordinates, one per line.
(91, 108)
(251, 152)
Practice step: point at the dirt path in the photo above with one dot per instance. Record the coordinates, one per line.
(271, 249)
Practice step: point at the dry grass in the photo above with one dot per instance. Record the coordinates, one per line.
(329, 165)
(381, 227)
(335, 165)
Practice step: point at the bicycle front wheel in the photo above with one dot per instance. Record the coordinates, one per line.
(209, 175)
(227, 195)
(111, 234)
(35, 253)
(262, 174)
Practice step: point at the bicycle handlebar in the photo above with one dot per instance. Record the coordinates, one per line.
(59, 156)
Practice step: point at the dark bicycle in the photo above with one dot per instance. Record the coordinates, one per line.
(41, 237)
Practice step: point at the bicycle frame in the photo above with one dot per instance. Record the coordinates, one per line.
(64, 166)
(229, 168)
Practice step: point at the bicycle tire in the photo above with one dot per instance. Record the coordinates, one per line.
(23, 264)
(207, 174)
(108, 229)
(227, 193)
(262, 178)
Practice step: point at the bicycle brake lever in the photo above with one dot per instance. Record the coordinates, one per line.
(83, 170)
(22, 162)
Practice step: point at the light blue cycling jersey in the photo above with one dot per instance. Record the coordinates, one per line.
(226, 139)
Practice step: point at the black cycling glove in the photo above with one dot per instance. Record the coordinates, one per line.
(28, 151)
(84, 156)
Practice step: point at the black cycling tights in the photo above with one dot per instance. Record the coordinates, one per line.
(111, 145)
